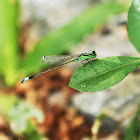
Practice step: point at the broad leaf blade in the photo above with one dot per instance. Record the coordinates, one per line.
(109, 71)
(134, 24)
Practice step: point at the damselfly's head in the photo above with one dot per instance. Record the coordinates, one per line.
(43, 58)
(94, 54)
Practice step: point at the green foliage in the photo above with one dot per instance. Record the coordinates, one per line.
(64, 38)
(134, 24)
(106, 73)
(110, 70)
(19, 115)
(31, 133)
(7, 103)
(54, 43)
(134, 127)
(8, 40)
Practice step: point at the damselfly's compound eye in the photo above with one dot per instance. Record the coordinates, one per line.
(93, 52)
(43, 58)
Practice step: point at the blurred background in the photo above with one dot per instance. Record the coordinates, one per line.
(46, 108)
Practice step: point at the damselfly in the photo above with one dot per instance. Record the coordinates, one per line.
(51, 59)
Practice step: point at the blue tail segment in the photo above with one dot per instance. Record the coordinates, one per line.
(25, 79)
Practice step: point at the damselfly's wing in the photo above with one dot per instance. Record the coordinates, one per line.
(57, 59)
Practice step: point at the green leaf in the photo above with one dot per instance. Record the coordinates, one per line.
(134, 127)
(71, 34)
(9, 40)
(109, 71)
(134, 24)
(19, 115)
(7, 102)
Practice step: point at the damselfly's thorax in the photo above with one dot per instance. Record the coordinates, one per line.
(84, 56)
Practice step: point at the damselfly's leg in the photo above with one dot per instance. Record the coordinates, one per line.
(89, 60)
(86, 61)
(83, 62)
